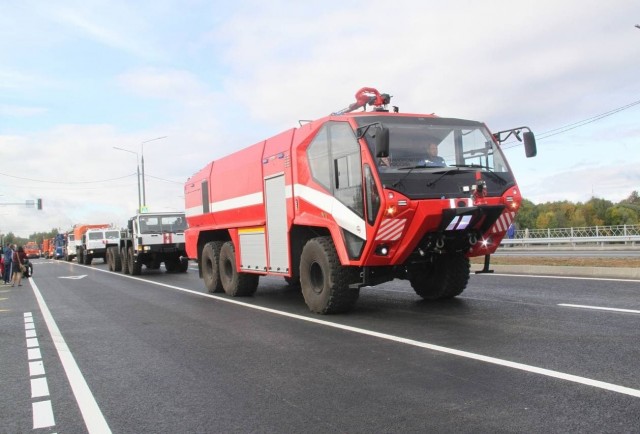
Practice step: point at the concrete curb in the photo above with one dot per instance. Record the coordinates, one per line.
(551, 270)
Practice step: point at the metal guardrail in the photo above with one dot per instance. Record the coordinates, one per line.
(627, 235)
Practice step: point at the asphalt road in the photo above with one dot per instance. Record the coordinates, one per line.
(157, 354)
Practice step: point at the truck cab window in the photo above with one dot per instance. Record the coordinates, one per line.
(335, 163)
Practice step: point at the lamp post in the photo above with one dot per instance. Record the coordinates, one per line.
(144, 194)
(137, 172)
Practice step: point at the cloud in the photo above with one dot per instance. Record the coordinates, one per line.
(115, 24)
(611, 182)
(20, 111)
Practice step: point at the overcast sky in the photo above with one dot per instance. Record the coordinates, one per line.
(80, 77)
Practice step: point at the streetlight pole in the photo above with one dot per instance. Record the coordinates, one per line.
(144, 194)
(137, 172)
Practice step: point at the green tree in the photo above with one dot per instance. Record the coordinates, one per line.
(619, 215)
(527, 215)
(547, 220)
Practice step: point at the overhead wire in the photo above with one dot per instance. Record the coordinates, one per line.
(572, 126)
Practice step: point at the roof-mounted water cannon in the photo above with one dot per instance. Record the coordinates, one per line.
(529, 138)
(371, 96)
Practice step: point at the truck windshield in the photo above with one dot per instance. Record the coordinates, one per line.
(444, 152)
(155, 224)
(112, 235)
(438, 142)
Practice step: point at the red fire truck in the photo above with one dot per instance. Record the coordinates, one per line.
(355, 199)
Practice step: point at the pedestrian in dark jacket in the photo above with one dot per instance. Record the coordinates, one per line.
(8, 254)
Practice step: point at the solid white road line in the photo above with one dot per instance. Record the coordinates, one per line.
(487, 359)
(607, 279)
(612, 309)
(93, 417)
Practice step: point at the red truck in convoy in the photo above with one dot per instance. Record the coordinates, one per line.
(32, 250)
(355, 199)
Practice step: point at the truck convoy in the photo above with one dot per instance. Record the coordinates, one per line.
(47, 249)
(95, 242)
(58, 246)
(76, 242)
(150, 239)
(32, 250)
(352, 200)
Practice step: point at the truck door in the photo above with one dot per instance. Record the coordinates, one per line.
(276, 204)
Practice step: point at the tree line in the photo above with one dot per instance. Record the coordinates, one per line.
(38, 237)
(565, 214)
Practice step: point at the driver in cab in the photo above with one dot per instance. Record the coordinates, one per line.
(432, 158)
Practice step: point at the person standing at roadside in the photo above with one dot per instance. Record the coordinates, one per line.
(16, 265)
(8, 255)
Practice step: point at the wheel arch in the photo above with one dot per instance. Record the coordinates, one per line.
(298, 238)
(205, 237)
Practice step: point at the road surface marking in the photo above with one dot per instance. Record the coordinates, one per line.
(42, 414)
(612, 309)
(34, 354)
(39, 387)
(93, 417)
(452, 351)
(41, 411)
(607, 279)
(36, 368)
(82, 276)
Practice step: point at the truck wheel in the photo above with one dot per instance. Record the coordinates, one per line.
(87, 259)
(170, 265)
(446, 278)
(114, 257)
(125, 260)
(135, 267)
(108, 258)
(211, 266)
(324, 282)
(80, 256)
(235, 284)
(184, 265)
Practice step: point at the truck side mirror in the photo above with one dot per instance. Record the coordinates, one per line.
(130, 225)
(530, 148)
(382, 142)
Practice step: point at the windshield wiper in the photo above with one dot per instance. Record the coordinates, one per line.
(474, 165)
(442, 175)
(499, 179)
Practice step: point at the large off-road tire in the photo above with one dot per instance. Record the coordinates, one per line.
(135, 267)
(235, 284)
(210, 263)
(108, 258)
(87, 259)
(446, 278)
(171, 265)
(125, 260)
(324, 281)
(116, 261)
(80, 256)
(183, 264)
